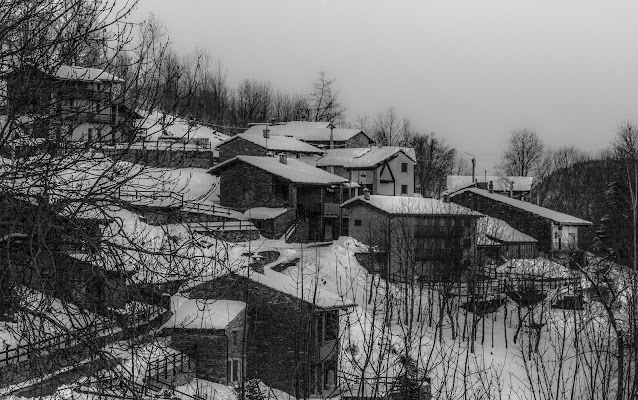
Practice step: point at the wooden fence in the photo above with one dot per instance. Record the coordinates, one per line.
(175, 363)
(23, 352)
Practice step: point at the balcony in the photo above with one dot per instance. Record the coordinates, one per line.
(332, 210)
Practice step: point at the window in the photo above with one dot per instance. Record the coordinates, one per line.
(234, 370)
(357, 222)
(404, 189)
(235, 338)
(404, 167)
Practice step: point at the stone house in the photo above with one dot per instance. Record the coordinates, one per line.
(320, 134)
(69, 103)
(513, 186)
(414, 237)
(310, 195)
(44, 250)
(383, 170)
(257, 145)
(555, 231)
(211, 332)
(292, 329)
(498, 241)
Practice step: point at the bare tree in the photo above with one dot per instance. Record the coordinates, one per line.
(389, 129)
(435, 161)
(324, 100)
(523, 154)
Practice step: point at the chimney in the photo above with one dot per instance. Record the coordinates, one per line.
(332, 143)
(366, 193)
(283, 158)
(490, 187)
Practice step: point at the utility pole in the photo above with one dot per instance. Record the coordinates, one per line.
(473, 167)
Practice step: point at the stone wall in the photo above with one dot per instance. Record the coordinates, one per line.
(536, 226)
(207, 348)
(243, 186)
(239, 147)
(359, 140)
(275, 228)
(278, 337)
(164, 158)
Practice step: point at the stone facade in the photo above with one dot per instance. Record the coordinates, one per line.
(279, 339)
(255, 188)
(531, 224)
(212, 349)
(240, 147)
(275, 228)
(417, 245)
(164, 158)
(358, 140)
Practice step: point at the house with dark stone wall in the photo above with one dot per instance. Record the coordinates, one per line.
(413, 237)
(210, 332)
(313, 195)
(555, 231)
(292, 330)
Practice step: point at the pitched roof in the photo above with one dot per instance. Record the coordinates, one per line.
(75, 73)
(363, 158)
(312, 131)
(294, 171)
(204, 314)
(412, 206)
(529, 207)
(306, 291)
(277, 143)
(495, 228)
(501, 183)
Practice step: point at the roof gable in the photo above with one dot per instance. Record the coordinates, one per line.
(363, 158)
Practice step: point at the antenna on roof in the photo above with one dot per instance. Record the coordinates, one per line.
(474, 167)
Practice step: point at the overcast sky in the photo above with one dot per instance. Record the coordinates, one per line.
(470, 71)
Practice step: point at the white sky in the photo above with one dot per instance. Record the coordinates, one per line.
(470, 71)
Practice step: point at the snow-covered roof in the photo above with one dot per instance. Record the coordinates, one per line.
(75, 73)
(294, 171)
(412, 206)
(552, 215)
(159, 126)
(306, 131)
(363, 158)
(501, 230)
(306, 291)
(277, 143)
(541, 267)
(501, 183)
(204, 314)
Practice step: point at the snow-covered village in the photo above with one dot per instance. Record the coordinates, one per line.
(188, 212)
